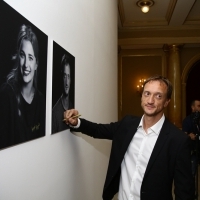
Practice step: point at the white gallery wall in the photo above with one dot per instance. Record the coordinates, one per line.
(69, 166)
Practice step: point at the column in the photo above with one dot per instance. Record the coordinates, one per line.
(174, 75)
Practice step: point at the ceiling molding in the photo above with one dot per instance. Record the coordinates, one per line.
(159, 40)
(121, 12)
(170, 10)
(162, 22)
(168, 21)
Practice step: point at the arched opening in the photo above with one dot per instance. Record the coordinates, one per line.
(193, 64)
(192, 85)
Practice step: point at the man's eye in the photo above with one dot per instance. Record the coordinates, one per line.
(158, 96)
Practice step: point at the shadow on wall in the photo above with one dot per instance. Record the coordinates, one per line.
(101, 145)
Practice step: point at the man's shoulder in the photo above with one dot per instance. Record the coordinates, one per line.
(187, 122)
(58, 107)
(57, 104)
(129, 120)
(173, 129)
(187, 118)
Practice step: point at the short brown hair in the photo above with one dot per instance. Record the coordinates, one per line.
(193, 101)
(161, 79)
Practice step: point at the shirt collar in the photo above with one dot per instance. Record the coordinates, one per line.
(156, 128)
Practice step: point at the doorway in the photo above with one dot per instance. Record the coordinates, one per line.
(192, 86)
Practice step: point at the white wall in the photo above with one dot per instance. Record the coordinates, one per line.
(68, 166)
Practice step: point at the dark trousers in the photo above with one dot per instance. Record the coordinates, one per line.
(194, 163)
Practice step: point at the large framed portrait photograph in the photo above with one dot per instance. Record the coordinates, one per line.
(23, 67)
(63, 87)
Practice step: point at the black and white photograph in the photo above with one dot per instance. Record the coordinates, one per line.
(23, 67)
(63, 87)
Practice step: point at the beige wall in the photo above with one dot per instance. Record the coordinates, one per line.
(133, 66)
(136, 64)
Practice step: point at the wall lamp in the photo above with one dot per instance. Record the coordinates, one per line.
(140, 86)
(145, 5)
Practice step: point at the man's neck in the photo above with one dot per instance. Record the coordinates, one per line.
(65, 101)
(149, 121)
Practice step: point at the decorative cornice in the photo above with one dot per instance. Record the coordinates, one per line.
(159, 40)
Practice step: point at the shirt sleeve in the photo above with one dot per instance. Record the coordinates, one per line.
(77, 126)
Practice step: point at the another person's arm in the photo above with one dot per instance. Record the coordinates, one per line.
(187, 128)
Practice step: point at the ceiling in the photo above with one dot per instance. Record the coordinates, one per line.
(167, 22)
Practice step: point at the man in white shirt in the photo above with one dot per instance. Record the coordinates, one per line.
(148, 153)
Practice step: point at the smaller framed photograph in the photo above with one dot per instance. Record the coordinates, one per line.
(63, 86)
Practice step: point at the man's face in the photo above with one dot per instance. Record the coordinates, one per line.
(66, 79)
(196, 106)
(154, 98)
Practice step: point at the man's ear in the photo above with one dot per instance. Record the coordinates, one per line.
(192, 107)
(167, 102)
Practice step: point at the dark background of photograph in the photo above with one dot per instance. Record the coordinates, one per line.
(10, 22)
(57, 81)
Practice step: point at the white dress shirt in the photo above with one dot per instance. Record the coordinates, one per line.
(136, 159)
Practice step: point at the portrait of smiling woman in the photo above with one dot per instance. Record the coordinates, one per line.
(22, 105)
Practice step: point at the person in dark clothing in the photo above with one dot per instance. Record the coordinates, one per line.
(22, 105)
(148, 153)
(188, 126)
(191, 126)
(63, 102)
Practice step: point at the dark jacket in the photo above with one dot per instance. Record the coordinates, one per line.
(170, 159)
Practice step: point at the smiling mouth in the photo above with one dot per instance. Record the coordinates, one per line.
(150, 107)
(26, 72)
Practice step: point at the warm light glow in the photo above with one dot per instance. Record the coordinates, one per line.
(145, 9)
(140, 86)
(145, 5)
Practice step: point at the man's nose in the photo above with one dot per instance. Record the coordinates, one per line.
(151, 99)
